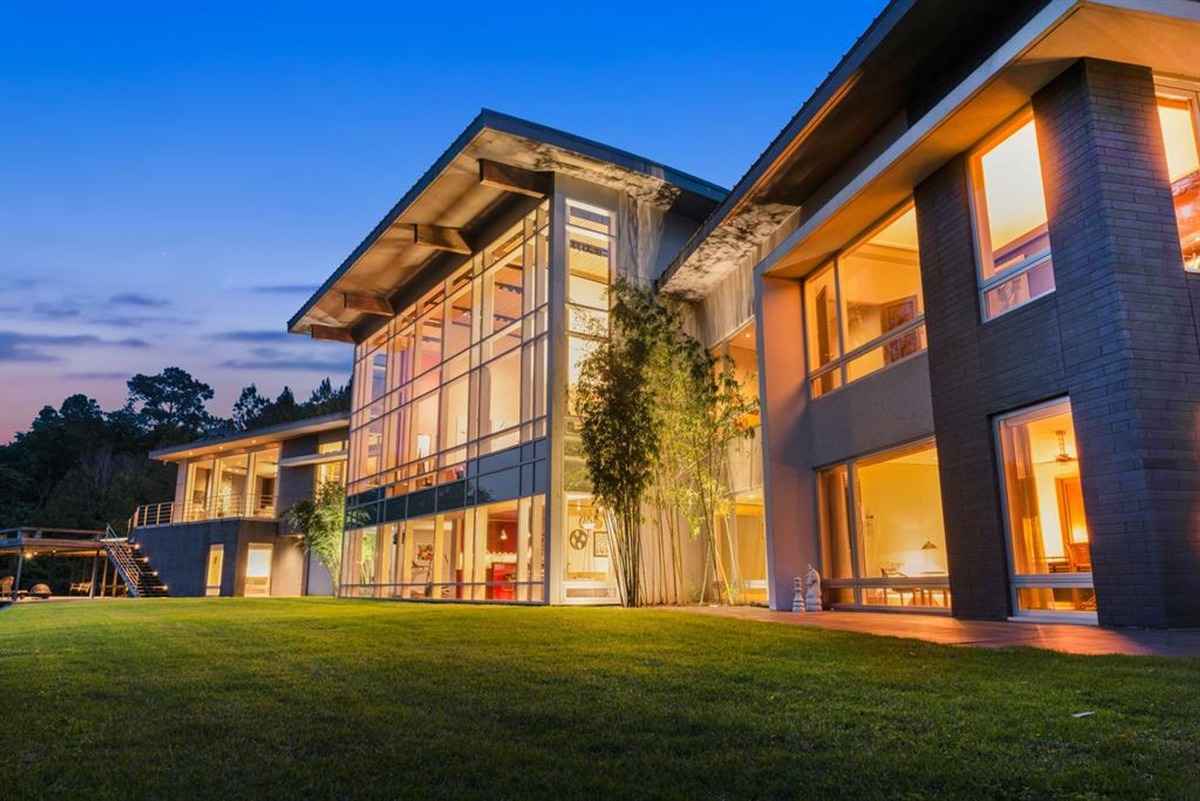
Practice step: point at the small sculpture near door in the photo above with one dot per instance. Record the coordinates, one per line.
(812, 598)
(807, 592)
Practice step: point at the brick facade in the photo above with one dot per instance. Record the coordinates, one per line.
(1119, 336)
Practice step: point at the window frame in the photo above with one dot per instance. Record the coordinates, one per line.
(1187, 91)
(983, 234)
(409, 381)
(857, 583)
(1040, 581)
(840, 364)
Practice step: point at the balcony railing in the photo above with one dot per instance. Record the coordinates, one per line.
(220, 506)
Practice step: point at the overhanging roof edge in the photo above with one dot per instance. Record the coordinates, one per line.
(476, 125)
(516, 126)
(293, 428)
(827, 91)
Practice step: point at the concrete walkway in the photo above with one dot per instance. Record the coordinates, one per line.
(1072, 639)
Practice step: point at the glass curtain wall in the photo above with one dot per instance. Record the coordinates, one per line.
(448, 451)
(1049, 540)
(883, 541)
(589, 574)
(1177, 114)
(494, 552)
(864, 310)
(460, 373)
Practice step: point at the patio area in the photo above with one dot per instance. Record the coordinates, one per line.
(1064, 637)
(52, 563)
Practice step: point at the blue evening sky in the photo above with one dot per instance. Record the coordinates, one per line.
(175, 178)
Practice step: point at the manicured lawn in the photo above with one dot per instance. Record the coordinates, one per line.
(319, 699)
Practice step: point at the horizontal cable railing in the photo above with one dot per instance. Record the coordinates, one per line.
(168, 513)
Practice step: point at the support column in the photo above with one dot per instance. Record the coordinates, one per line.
(789, 486)
(1130, 348)
(975, 371)
(95, 566)
(556, 401)
(17, 580)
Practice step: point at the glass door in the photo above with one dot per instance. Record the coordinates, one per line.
(1049, 543)
(258, 569)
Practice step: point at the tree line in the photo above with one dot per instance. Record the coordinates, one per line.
(79, 466)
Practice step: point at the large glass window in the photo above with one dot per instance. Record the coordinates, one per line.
(588, 561)
(493, 552)
(1009, 200)
(238, 484)
(1177, 110)
(590, 246)
(1050, 551)
(444, 380)
(883, 541)
(865, 311)
(741, 528)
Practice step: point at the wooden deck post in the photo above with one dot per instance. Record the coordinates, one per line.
(17, 582)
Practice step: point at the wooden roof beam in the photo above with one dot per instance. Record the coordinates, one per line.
(515, 179)
(331, 333)
(441, 238)
(367, 304)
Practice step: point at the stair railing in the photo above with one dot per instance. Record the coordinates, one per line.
(117, 548)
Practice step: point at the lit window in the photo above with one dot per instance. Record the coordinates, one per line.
(1010, 217)
(864, 311)
(590, 247)
(1047, 525)
(1177, 117)
(883, 541)
(418, 380)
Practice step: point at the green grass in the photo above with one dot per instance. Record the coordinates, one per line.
(319, 699)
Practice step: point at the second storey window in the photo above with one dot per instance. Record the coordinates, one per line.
(1010, 219)
(864, 310)
(1177, 117)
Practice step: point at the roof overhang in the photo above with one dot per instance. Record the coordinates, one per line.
(844, 127)
(455, 197)
(60, 541)
(1161, 34)
(253, 439)
(315, 458)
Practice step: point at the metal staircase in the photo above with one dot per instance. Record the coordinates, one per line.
(133, 567)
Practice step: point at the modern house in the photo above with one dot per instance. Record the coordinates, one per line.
(224, 533)
(470, 308)
(964, 276)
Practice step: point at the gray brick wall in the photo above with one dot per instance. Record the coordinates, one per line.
(1131, 351)
(1119, 335)
(967, 364)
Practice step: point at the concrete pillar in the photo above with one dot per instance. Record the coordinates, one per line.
(789, 488)
(556, 398)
